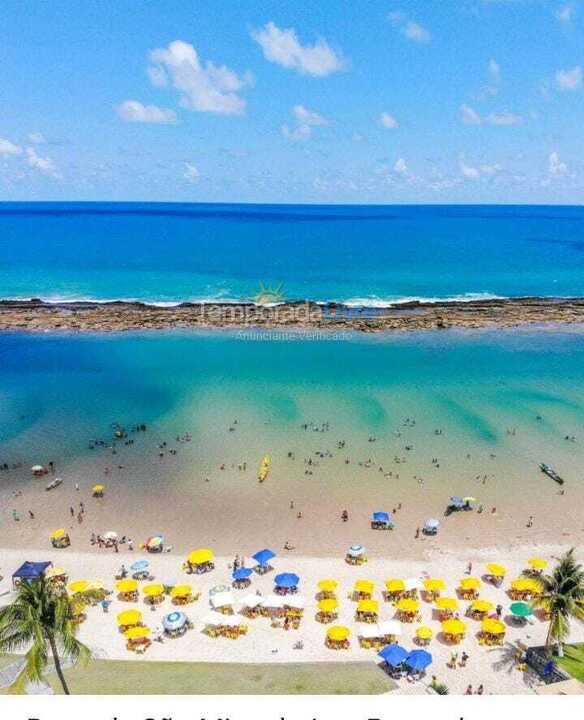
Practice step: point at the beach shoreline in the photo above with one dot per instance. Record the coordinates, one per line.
(36, 315)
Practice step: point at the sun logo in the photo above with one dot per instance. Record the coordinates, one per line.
(268, 294)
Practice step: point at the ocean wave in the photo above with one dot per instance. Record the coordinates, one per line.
(377, 302)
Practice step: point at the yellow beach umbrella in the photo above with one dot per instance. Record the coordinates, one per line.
(153, 590)
(424, 632)
(129, 617)
(537, 563)
(54, 572)
(200, 556)
(181, 591)
(434, 585)
(77, 587)
(395, 585)
(327, 585)
(364, 586)
(98, 488)
(137, 633)
(58, 534)
(96, 585)
(481, 606)
(496, 570)
(493, 627)
(408, 605)
(368, 606)
(447, 603)
(338, 633)
(126, 586)
(328, 606)
(470, 583)
(453, 627)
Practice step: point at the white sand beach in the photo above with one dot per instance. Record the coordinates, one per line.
(491, 666)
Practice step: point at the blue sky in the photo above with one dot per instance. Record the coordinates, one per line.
(265, 101)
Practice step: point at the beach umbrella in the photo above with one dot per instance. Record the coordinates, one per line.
(364, 586)
(58, 534)
(251, 600)
(447, 603)
(54, 572)
(424, 632)
(154, 542)
(368, 631)
(521, 609)
(286, 580)
(219, 589)
(408, 605)
(537, 563)
(338, 633)
(153, 590)
(200, 556)
(453, 627)
(98, 489)
(298, 602)
(263, 557)
(272, 602)
(96, 585)
(481, 606)
(180, 591)
(368, 606)
(126, 586)
(493, 627)
(110, 535)
(140, 566)
(431, 524)
(222, 599)
(456, 501)
(213, 618)
(395, 585)
(37, 469)
(356, 551)
(525, 585)
(413, 584)
(174, 621)
(418, 660)
(382, 517)
(434, 584)
(496, 570)
(129, 617)
(393, 655)
(241, 573)
(328, 606)
(390, 627)
(137, 633)
(470, 583)
(468, 500)
(78, 586)
(327, 585)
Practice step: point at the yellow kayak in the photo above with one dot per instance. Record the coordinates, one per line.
(264, 468)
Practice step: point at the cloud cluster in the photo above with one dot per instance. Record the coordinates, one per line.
(284, 48)
(134, 111)
(411, 30)
(470, 116)
(571, 79)
(306, 120)
(388, 121)
(44, 165)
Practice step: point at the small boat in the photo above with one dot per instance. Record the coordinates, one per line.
(264, 468)
(54, 483)
(550, 472)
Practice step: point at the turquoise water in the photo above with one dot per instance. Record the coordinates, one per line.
(165, 253)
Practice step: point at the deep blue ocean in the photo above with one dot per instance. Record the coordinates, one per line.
(365, 255)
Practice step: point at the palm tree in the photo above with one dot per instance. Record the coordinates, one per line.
(41, 619)
(562, 598)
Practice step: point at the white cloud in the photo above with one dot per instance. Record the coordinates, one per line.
(203, 87)
(388, 121)
(494, 73)
(565, 14)
(410, 29)
(37, 137)
(191, 173)
(569, 79)
(472, 117)
(9, 148)
(42, 164)
(469, 116)
(469, 171)
(305, 121)
(284, 48)
(134, 111)
(400, 166)
(490, 169)
(556, 167)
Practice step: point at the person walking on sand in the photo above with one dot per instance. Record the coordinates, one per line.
(469, 568)
(468, 690)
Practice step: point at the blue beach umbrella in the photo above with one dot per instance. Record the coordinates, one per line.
(263, 557)
(286, 580)
(457, 501)
(241, 573)
(418, 660)
(174, 621)
(381, 517)
(140, 566)
(393, 655)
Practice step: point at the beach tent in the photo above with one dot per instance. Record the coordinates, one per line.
(30, 571)
(381, 519)
(356, 551)
(241, 573)
(431, 526)
(263, 557)
(456, 502)
(174, 621)
(418, 660)
(286, 580)
(393, 655)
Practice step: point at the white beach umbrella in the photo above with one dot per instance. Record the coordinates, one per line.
(413, 584)
(356, 550)
(272, 601)
(390, 627)
(298, 602)
(213, 618)
(37, 469)
(110, 535)
(252, 600)
(222, 599)
(368, 631)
